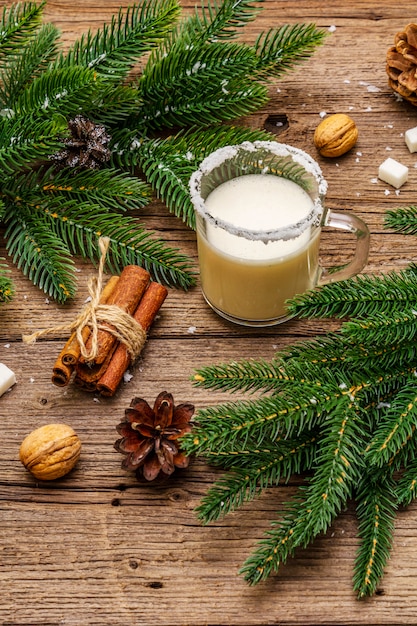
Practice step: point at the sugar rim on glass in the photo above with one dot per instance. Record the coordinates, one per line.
(216, 158)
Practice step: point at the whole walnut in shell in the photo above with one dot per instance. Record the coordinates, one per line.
(402, 64)
(50, 451)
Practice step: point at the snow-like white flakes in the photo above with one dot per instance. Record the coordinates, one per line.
(322, 114)
(368, 109)
(191, 330)
(383, 405)
(31, 379)
(374, 181)
(6, 345)
(9, 113)
(45, 104)
(47, 301)
(189, 156)
(346, 81)
(127, 377)
(97, 60)
(388, 148)
(387, 192)
(61, 94)
(343, 386)
(373, 89)
(331, 28)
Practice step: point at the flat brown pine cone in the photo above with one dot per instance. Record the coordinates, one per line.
(402, 64)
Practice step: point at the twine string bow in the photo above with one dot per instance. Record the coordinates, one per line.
(97, 316)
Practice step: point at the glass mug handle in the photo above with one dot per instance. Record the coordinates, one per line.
(352, 224)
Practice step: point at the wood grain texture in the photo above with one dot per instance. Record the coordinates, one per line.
(97, 547)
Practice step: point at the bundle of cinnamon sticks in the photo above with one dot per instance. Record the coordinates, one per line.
(133, 293)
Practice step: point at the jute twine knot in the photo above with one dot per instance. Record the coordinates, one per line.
(98, 317)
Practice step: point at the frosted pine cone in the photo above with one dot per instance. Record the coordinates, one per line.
(402, 64)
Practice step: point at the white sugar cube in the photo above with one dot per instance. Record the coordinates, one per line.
(7, 378)
(393, 172)
(411, 139)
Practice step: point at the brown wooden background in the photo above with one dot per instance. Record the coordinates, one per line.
(98, 548)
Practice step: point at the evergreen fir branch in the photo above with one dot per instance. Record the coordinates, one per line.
(264, 468)
(233, 424)
(406, 487)
(40, 255)
(223, 73)
(168, 164)
(330, 487)
(18, 24)
(376, 508)
(194, 75)
(360, 296)
(80, 225)
(6, 285)
(113, 49)
(65, 91)
(218, 21)
(279, 50)
(24, 144)
(107, 188)
(245, 375)
(395, 327)
(402, 219)
(397, 427)
(32, 62)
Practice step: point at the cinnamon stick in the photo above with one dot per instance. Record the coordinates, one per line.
(126, 295)
(72, 350)
(61, 373)
(69, 355)
(145, 314)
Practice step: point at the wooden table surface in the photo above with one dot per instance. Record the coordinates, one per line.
(97, 547)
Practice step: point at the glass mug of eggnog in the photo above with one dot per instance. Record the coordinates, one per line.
(259, 214)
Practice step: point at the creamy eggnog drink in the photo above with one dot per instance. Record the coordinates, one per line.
(250, 279)
(259, 210)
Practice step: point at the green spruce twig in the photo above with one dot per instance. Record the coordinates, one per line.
(355, 391)
(195, 75)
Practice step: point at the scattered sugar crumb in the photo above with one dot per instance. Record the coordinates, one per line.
(359, 154)
(374, 181)
(6, 345)
(127, 377)
(351, 108)
(388, 149)
(357, 160)
(331, 28)
(191, 329)
(368, 109)
(373, 89)
(387, 192)
(346, 81)
(322, 114)
(31, 379)
(390, 126)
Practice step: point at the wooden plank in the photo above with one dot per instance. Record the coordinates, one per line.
(100, 548)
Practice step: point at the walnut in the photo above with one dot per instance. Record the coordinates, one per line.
(402, 64)
(50, 451)
(335, 135)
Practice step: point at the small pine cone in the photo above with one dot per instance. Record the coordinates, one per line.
(86, 148)
(150, 437)
(402, 64)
